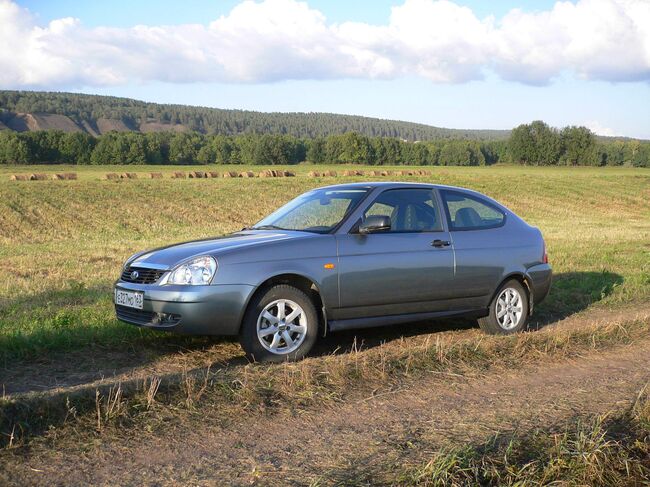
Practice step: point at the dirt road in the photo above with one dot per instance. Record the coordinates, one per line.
(356, 442)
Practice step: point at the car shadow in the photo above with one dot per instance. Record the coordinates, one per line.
(571, 292)
(85, 358)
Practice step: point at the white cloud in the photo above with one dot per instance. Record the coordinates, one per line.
(599, 129)
(286, 39)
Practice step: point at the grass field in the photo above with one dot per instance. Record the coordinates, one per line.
(63, 242)
(61, 247)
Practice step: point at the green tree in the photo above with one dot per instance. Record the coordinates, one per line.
(76, 148)
(461, 153)
(642, 156)
(356, 148)
(536, 144)
(579, 146)
(184, 147)
(13, 148)
(316, 151)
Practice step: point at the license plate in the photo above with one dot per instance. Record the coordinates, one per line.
(131, 299)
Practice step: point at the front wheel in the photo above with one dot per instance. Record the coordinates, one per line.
(508, 311)
(280, 324)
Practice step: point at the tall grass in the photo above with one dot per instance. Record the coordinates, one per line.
(234, 391)
(609, 450)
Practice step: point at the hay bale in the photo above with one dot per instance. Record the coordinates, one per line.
(156, 175)
(331, 174)
(70, 176)
(65, 175)
(110, 175)
(289, 174)
(198, 175)
(314, 174)
(19, 177)
(265, 174)
(179, 175)
(212, 174)
(425, 172)
(129, 175)
(230, 174)
(38, 177)
(246, 174)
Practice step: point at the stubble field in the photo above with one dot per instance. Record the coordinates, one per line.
(82, 389)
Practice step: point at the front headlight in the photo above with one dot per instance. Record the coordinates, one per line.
(195, 272)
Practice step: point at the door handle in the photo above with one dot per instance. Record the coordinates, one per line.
(440, 243)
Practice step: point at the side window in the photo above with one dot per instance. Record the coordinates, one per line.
(409, 210)
(466, 212)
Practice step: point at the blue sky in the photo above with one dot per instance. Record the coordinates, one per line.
(125, 13)
(480, 73)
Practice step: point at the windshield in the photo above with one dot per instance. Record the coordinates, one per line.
(317, 211)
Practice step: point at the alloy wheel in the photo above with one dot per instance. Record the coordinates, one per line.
(509, 309)
(282, 326)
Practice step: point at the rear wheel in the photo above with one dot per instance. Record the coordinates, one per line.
(508, 311)
(280, 324)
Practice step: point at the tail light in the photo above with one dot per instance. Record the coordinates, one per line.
(544, 253)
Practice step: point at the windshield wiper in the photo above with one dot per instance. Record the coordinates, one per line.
(265, 227)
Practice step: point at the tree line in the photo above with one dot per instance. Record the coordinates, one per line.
(531, 144)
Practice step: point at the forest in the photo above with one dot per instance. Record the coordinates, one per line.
(530, 144)
(135, 115)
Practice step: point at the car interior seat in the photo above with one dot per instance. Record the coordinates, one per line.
(467, 217)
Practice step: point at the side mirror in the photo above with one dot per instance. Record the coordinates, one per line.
(374, 224)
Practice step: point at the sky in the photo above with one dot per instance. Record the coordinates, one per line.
(459, 64)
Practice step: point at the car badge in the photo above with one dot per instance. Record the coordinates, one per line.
(135, 275)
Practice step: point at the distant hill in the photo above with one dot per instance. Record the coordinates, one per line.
(94, 114)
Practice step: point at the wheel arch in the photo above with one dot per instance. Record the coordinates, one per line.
(306, 284)
(525, 281)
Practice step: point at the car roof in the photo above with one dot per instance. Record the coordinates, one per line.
(391, 184)
(406, 184)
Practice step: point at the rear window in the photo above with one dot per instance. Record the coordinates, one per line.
(468, 212)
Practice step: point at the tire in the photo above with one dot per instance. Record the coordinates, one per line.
(266, 334)
(512, 291)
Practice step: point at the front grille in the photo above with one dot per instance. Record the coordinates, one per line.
(144, 275)
(146, 318)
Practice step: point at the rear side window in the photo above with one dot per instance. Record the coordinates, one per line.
(468, 212)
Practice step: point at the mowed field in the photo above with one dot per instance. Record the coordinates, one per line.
(82, 389)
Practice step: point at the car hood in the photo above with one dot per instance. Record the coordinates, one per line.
(167, 257)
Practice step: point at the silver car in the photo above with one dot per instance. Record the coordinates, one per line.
(343, 257)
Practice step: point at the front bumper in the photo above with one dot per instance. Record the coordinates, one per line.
(193, 310)
(541, 277)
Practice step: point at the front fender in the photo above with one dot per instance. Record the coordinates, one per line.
(325, 279)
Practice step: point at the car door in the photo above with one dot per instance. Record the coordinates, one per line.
(407, 269)
(480, 245)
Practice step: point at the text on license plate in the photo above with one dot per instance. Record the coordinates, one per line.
(132, 299)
